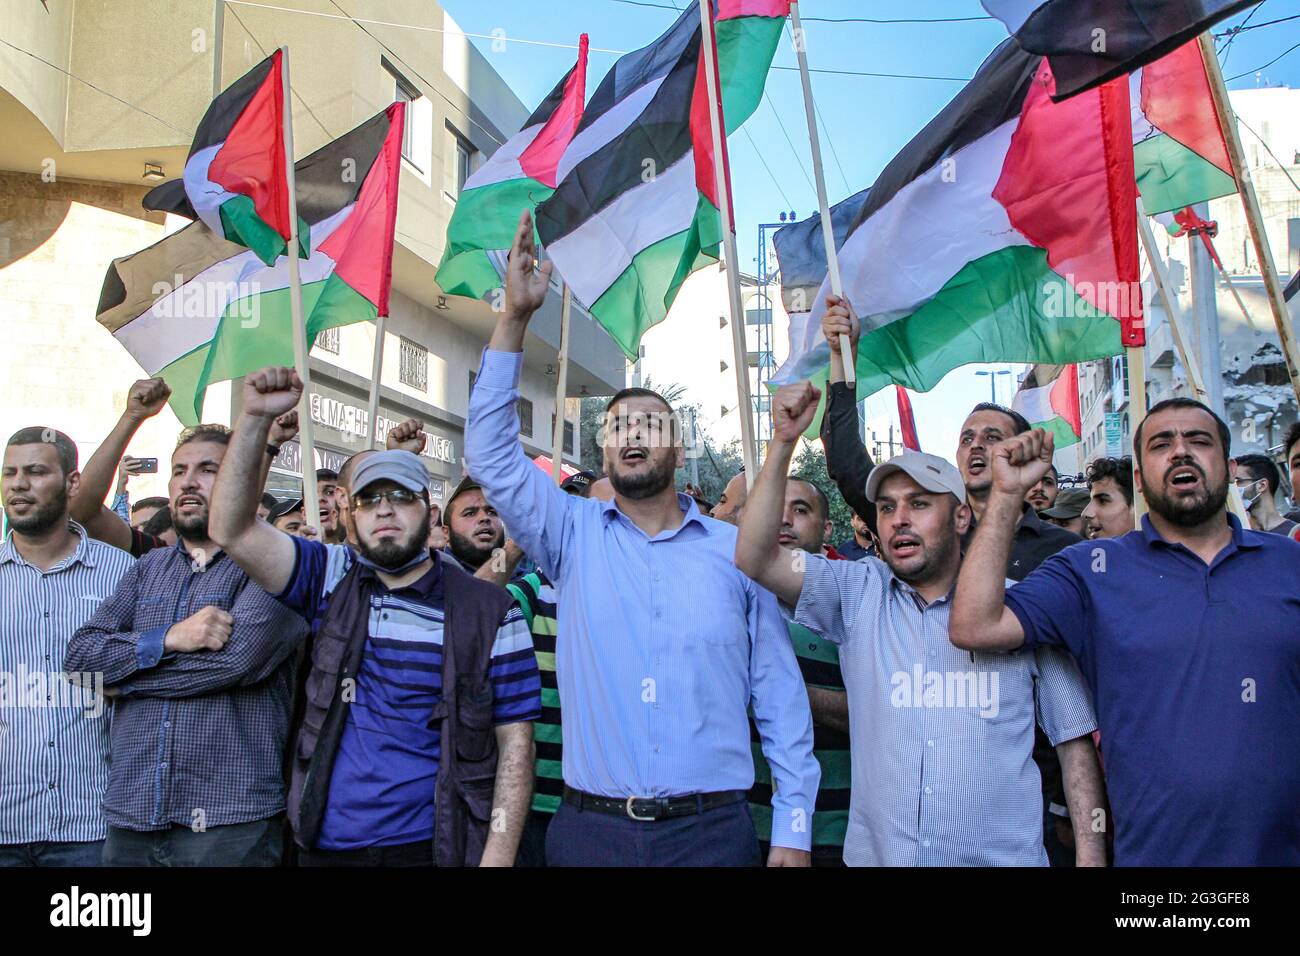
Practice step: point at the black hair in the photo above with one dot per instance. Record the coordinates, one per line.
(160, 522)
(155, 502)
(1120, 470)
(1019, 421)
(326, 474)
(1292, 436)
(823, 502)
(1225, 436)
(64, 447)
(1261, 466)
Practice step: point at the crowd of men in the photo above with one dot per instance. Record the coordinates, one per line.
(993, 670)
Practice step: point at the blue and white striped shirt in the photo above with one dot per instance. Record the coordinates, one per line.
(941, 739)
(665, 644)
(53, 734)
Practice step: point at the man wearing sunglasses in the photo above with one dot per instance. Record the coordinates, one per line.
(416, 730)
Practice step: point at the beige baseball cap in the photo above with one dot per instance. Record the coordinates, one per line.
(929, 471)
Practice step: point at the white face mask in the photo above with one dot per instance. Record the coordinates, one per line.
(1259, 493)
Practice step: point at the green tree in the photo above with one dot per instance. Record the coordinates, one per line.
(810, 464)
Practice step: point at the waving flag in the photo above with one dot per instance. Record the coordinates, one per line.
(1049, 399)
(1005, 231)
(234, 179)
(1091, 41)
(229, 315)
(636, 207)
(519, 175)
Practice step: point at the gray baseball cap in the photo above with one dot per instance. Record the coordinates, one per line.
(929, 471)
(1069, 504)
(401, 467)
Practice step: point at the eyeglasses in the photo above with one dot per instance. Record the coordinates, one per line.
(397, 496)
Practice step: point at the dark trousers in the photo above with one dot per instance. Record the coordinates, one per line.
(238, 844)
(723, 836)
(532, 845)
(403, 854)
(48, 853)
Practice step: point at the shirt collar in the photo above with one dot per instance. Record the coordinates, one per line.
(424, 586)
(690, 511)
(914, 595)
(1030, 521)
(1240, 537)
(80, 553)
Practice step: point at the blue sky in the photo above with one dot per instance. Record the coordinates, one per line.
(866, 119)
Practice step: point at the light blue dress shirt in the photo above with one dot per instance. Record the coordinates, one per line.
(664, 643)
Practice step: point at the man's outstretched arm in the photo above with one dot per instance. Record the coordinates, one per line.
(758, 554)
(265, 554)
(847, 460)
(144, 400)
(981, 620)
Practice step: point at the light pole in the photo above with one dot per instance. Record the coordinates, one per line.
(993, 382)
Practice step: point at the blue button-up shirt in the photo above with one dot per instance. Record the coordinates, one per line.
(941, 739)
(198, 738)
(1196, 670)
(665, 644)
(53, 734)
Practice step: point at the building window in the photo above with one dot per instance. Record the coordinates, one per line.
(457, 162)
(406, 92)
(525, 409)
(328, 340)
(413, 368)
(567, 441)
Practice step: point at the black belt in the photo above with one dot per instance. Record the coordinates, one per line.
(648, 809)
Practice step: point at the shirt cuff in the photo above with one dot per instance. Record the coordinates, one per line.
(500, 370)
(149, 647)
(792, 828)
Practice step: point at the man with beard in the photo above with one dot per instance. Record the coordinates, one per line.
(940, 740)
(53, 744)
(1109, 513)
(1043, 495)
(200, 660)
(1258, 479)
(665, 643)
(474, 529)
(417, 723)
(1198, 713)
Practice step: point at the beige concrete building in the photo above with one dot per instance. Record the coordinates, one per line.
(97, 96)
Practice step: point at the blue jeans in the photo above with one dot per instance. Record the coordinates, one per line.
(238, 844)
(47, 853)
(723, 836)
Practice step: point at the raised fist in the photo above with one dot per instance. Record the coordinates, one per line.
(206, 630)
(1020, 461)
(146, 398)
(408, 436)
(272, 391)
(793, 408)
(840, 319)
(284, 428)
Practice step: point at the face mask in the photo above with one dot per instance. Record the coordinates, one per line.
(1250, 502)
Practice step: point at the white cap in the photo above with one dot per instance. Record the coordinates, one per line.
(929, 471)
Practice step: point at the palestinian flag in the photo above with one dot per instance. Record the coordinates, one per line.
(520, 174)
(234, 178)
(1049, 399)
(636, 208)
(196, 308)
(1089, 42)
(1006, 231)
(1179, 156)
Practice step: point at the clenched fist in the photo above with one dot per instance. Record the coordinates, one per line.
(408, 436)
(1020, 461)
(272, 391)
(205, 630)
(284, 428)
(840, 319)
(146, 398)
(793, 408)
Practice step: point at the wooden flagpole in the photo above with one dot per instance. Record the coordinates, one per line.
(828, 231)
(376, 373)
(1174, 314)
(1254, 216)
(300, 348)
(561, 385)
(730, 256)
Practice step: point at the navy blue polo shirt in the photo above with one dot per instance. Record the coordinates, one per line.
(1195, 670)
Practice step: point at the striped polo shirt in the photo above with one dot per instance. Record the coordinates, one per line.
(536, 597)
(819, 662)
(53, 735)
(382, 787)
